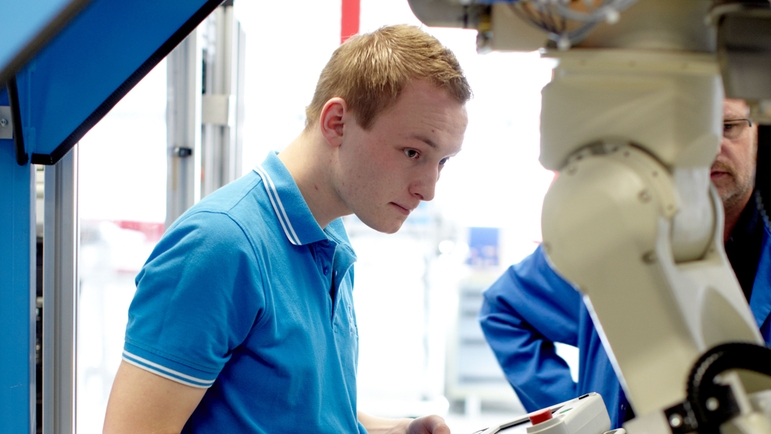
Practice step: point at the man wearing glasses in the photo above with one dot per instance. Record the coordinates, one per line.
(530, 308)
(733, 174)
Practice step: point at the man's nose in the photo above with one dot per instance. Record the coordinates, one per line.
(425, 187)
(723, 144)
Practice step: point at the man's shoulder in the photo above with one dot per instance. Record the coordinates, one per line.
(237, 212)
(536, 263)
(244, 201)
(234, 193)
(533, 276)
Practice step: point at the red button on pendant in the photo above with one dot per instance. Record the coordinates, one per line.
(540, 416)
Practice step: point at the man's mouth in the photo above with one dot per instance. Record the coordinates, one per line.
(719, 170)
(403, 210)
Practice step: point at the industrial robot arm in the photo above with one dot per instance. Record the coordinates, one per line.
(632, 121)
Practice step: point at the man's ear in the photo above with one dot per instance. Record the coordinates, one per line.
(332, 120)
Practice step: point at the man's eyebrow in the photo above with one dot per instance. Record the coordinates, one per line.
(425, 140)
(736, 114)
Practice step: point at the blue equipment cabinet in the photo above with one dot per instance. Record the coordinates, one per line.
(63, 65)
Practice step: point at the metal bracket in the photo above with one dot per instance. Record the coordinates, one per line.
(22, 158)
(183, 152)
(215, 109)
(6, 126)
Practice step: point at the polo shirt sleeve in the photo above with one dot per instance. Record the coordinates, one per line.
(198, 297)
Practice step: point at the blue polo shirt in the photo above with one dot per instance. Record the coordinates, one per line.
(247, 296)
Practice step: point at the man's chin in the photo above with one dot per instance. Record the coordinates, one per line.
(721, 180)
(389, 230)
(386, 227)
(725, 191)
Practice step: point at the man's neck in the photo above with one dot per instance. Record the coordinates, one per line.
(306, 160)
(732, 214)
(745, 244)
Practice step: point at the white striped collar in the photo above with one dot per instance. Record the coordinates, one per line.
(278, 206)
(291, 209)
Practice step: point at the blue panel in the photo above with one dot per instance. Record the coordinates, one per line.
(68, 86)
(85, 70)
(483, 247)
(17, 384)
(24, 24)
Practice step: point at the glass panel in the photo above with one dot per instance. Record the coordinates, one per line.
(122, 207)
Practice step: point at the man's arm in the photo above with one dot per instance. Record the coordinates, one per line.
(142, 402)
(422, 425)
(524, 313)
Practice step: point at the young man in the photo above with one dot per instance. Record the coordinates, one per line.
(243, 318)
(530, 307)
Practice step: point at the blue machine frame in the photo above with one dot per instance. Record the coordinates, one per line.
(64, 69)
(27, 26)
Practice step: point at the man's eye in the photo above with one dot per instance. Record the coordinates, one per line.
(444, 161)
(728, 126)
(411, 153)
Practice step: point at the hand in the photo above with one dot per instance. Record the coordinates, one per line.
(423, 425)
(428, 425)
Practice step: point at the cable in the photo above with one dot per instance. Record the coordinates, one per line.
(556, 17)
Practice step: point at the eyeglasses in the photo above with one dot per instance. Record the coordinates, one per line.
(735, 128)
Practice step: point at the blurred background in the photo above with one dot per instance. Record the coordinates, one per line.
(417, 292)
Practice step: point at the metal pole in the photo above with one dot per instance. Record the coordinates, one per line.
(183, 127)
(60, 295)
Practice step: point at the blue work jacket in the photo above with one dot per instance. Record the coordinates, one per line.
(530, 307)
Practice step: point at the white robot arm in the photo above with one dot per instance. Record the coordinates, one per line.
(632, 121)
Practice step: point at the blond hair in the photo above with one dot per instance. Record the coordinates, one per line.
(369, 71)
